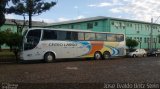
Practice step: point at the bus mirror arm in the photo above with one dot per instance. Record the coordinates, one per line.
(25, 40)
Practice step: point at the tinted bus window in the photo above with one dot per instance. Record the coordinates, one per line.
(74, 35)
(61, 35)
(120, 37)
(49, 35)
(68, 35)
(100, 36)
(111, 37)
(89, 36)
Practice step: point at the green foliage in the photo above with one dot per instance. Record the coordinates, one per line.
(2, 18)
(24, 7)
(13, 39)
(131, 43)
(3, 10)
(30, 8)
(2, 39)
(37, 6)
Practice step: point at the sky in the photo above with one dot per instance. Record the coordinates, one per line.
(64, 10)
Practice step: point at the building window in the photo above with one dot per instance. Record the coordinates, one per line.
(140, 39)
(96, 24)
(136, 26)
(120, 25)
(9, 30)
(89, 25)
(127, 24)
(145, 41)
(72, 26)
(112, 23)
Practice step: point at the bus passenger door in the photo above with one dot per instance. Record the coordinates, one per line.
(30, 45)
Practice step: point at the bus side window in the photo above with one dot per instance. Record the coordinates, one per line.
(61, 35)
(68, 35)
(49, 35)
(100, 37)
(74, 36)
(90, 36)
(80, 36)
(120, 37)
(111, 37)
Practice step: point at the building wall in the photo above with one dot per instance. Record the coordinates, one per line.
(98, 25)
(139, 31)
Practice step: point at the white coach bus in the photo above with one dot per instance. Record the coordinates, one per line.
(50, 44)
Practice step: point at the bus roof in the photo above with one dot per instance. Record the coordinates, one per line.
(75, 30)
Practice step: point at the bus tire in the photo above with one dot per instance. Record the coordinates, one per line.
(49, 57)
(144, 55)
(97, 55)
(134, 56)
(156, 55)
(106, 55)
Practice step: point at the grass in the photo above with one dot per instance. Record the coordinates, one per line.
(6, 53)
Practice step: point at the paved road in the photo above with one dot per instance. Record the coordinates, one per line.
(119, 70)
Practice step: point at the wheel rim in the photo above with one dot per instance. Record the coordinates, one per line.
(156, 55)
(144, 55)
(106, 56)
(97, 56)
(134, 56)
(49, 58)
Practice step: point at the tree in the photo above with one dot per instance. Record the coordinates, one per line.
(131, 43)
(13, 40)
(30, 8)
(3, 4)
(2, 38)
(2, 16)
(19, 25)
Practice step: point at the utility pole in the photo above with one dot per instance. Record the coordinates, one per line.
(151, 34)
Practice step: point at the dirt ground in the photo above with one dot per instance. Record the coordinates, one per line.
(82, 71)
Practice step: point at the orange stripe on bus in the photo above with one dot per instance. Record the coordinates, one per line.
(96, 46)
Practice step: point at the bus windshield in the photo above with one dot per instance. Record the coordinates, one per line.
(32, 39)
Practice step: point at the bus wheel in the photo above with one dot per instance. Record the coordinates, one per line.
(106, 55)
(49, 57)
(144, 55)
(97, 55)
(156, 55)
(134, 56)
